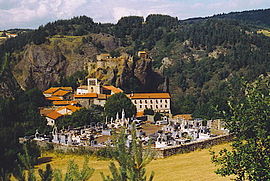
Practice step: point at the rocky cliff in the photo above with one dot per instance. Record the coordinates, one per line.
(46, 64)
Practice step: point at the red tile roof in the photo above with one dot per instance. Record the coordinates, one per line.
(59, 103)
(149, 96)
(51, 90)
(88, 95)
(113, 89)
(69, 107)
(61, 93)
(53, 98)
(54, 115)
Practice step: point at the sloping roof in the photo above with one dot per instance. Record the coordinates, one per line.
(184, 116)
(61, 93)
(102, 96)
(69, 107)
(51, 90)
(149, 96)
(88, 95)
(54, 89)
(113, 89)
(45, 111)
(54, 115)
(55, 98)
(73, 108)
(58, 103)
(83, 87)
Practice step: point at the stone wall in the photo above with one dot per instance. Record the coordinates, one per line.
(160, 152)
(189, 147)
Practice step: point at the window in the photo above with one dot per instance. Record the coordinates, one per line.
(151, 107)
(157, 106)
(161, 106)
(145, 101)
(160, 100)
(165, 105)
(140, 106)
(151, 101)
(135, 102)
(166, 101)
(156, 101)
(140, 101)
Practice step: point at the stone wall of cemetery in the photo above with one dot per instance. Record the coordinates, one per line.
(192, 146)
(160, 152)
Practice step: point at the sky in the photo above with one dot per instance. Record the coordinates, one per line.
(33, 13)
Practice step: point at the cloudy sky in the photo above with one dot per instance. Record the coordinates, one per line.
(33, 13)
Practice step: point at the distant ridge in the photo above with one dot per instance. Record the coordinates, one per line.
(259, 17)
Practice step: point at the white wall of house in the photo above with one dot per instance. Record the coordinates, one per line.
(158, 105)
(82, 91)
(50, 121)
(100, 102)
(65, 111)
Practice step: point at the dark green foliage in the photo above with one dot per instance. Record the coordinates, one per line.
(46, 175)
(157, 116)
(82, 117)
(74, 80)
(255, 17)
(115, 53)
(25, 166)
(132, 159)
(118, 102)
(148, 112)
(18, 118)
(248, 120)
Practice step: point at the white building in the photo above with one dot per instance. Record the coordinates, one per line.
(159, 102)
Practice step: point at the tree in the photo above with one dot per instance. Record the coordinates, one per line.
(46, 175)
(132, 158)
(74, 173)
(82, 117)
(248, 120)
(118, 102)
(148, 112)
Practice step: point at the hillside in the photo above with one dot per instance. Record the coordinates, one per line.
(198, 60)
(257, 17)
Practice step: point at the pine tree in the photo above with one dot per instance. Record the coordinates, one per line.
(132, 158)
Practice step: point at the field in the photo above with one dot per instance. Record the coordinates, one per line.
(194, 166)
(265, 32)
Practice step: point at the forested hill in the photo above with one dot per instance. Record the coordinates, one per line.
(200, 59)
(258, 17)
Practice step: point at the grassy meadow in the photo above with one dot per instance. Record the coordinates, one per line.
(265, 32)
(194, 166)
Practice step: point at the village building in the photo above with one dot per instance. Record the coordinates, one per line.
(88, 99)
(103, 56)
(64, 103)
(60, 92)
(52, 117)
(142, 54)
(10, 35)
(53, 114)
(94, 93)
(159, 102)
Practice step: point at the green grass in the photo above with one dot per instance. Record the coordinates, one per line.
(194, 166)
